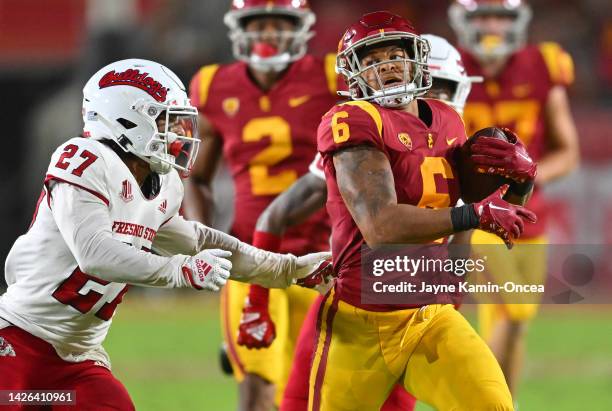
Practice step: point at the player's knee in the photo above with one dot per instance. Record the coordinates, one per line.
(256, 393)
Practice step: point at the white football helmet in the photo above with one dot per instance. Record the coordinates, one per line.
(445, 64)
(485, 45)
(123, 102)
(249, 47)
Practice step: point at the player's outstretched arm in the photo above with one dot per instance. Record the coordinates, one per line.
(250, 264)
(367, 186)
(306, 196)
(563, 153)
(85, 225)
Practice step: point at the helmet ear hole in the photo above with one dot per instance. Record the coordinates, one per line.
(126, 123)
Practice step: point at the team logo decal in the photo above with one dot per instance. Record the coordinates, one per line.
(135, 78)
(231, 106)
(126, 191)
(162, 207)
(6, 349)
(298, 101)
(430, 140)
(405, 139)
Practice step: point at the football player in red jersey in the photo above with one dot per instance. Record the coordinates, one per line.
(524, 90)
(261, 114)
(390, 173)
(450, 83)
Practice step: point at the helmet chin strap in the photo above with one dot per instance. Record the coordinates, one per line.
(159, 165)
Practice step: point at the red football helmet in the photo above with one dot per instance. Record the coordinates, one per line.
(250, 47)
(376, 30)
(483, 43)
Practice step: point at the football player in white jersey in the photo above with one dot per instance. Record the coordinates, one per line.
(108, 201)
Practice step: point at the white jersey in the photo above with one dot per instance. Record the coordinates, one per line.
(48, 295)
(90, 238)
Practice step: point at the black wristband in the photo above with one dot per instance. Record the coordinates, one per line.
(464, 218)
(520, 189)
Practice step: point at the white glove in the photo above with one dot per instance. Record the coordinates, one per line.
(207, 270)
(321, 278)
(311, 267)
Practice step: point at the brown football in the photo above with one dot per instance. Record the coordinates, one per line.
(474, 185)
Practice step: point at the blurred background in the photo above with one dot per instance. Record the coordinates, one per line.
(48, 52)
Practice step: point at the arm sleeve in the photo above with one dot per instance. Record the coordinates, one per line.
(85, 225)
(350, 124)
(250, 264)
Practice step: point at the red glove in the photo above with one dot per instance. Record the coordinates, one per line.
(321, 279)
(508, 159)
(502, 218)
(256, 329)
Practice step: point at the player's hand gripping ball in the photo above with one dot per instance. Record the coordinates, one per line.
(490, 158)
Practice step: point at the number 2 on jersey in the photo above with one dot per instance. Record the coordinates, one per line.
(70, 151)
(83, 291)
(279, 131)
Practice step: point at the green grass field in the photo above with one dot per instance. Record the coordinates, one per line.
(165, 350)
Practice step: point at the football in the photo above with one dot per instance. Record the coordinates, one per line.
(474, 185)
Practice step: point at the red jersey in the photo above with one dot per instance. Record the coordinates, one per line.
(516, 99)
(269, 138)
(421, 162)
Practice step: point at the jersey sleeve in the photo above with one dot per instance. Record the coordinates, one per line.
(80, 163)
(316, 167)
(350, 124)
(559, 64)
(85, 226)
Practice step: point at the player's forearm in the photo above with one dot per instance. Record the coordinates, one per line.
(251, 264)
(85, 226)
(563, 154)
(406, 224)
(198, 202)
(306, 196)
(557, 164)
(112, 260)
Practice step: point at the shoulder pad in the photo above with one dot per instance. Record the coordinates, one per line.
(349, 124)
(200, 85)
(558, 62)
(80, 162)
